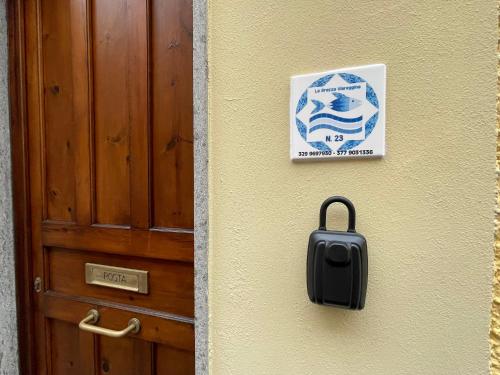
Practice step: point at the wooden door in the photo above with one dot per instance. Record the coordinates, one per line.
(104, 124)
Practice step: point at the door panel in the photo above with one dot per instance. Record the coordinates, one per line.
(65, 123)
(127, 356)
(119, 46)
(171, 283)
(172, 132)
(110, 147)
(175, 361)
(65, 348)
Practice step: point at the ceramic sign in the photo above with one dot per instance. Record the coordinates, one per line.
(338, 114)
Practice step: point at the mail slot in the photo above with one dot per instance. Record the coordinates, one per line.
(117, 277)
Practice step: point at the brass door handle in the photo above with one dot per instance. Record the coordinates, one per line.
(88, 324)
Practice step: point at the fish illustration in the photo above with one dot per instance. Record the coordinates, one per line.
(344, 103)
(319, 106)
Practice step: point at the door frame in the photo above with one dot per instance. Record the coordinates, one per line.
(201, 190)
(20, 185)
(21, 179)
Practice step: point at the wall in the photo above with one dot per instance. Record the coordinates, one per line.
(495, 310)
(426, 208)
(8, 339)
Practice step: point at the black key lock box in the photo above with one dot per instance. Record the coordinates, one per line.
(337, 262)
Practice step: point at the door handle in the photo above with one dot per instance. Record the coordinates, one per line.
(88, 324)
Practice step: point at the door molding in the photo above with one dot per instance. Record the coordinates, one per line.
(20, 184)
(8, 324)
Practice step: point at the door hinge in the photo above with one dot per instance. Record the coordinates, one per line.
(37, 284)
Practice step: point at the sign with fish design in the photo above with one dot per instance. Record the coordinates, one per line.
(338, 114)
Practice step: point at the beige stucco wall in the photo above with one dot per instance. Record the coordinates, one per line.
(495, 311)
(426, 208)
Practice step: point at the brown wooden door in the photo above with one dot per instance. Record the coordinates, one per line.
(109, 158)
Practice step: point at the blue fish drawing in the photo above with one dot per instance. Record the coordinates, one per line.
(344, 103)
(319, 106)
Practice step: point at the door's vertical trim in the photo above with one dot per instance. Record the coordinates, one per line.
(20, 185)
(40, 72)
(91, 96)
(200, 94)
(149, 17)
(81, 137)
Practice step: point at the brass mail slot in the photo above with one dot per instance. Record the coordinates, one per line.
(117, 277)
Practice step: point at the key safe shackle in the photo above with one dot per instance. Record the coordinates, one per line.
(350, 208)
(337, 262)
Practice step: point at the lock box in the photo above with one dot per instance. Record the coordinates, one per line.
(337, 263)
